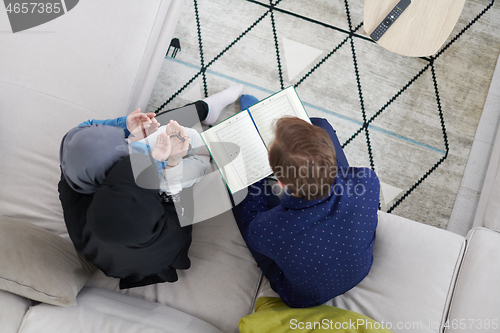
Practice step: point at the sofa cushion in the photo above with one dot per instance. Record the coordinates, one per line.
(273, 316)
(91, 58)
(101, 310)
(475, 306)
(414, 266)
(220, 286)
(12, 310)
(88, 63)
(29, 167)
(39, 265)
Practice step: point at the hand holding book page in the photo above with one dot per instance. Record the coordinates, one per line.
(238, 145)
(238, 151)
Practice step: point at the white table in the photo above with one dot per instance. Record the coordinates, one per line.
(420, 30)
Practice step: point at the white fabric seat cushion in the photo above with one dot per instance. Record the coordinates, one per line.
(12, 310)
(99, 310)
(221, 285)
(411, 278)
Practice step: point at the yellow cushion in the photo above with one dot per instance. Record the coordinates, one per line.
(273, 316)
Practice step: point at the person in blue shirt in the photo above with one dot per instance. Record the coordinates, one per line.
(316, 242)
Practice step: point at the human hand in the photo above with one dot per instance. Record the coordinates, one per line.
(179, 147)
(162, 148)
(141, 124)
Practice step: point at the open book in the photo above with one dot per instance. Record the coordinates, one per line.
(239, 144)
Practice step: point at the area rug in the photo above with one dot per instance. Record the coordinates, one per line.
(412, 120)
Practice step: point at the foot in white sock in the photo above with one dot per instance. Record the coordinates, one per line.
(219, 101)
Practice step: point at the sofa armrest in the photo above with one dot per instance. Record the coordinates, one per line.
(488, 209)
(144, 88)
(475, 306)
(489, 202)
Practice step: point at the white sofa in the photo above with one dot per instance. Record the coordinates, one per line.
(101, 60)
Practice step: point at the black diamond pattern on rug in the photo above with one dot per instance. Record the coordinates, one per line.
(350, 39)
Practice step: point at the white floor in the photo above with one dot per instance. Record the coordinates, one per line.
(464, 210)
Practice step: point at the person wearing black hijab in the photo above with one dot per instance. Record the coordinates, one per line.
(114, 213)
(122, 228)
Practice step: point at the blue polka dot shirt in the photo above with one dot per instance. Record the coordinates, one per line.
(322, 247)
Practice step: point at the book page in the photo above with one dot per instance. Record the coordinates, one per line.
(266, 112)
(238, 151)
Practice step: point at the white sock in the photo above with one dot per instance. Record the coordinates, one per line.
(219, 101)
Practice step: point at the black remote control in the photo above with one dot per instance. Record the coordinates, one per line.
(389, 19)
